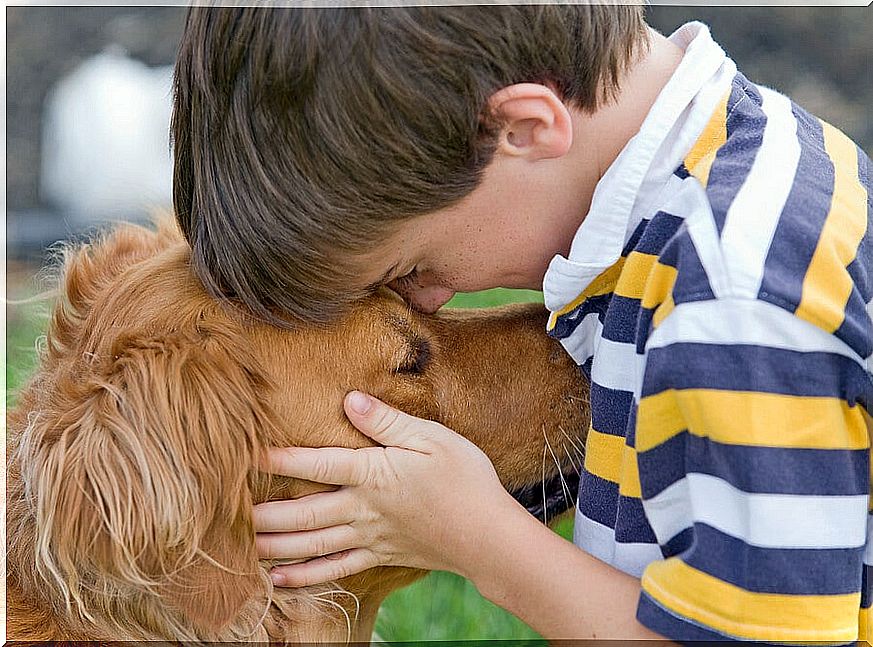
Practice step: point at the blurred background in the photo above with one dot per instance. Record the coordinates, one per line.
(87, 114)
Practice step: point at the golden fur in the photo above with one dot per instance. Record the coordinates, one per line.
(132, 452)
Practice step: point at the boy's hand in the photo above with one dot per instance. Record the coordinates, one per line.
(423, 500)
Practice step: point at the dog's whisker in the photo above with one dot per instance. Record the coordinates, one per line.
(580, 451)
(564, 487)
(571, 458)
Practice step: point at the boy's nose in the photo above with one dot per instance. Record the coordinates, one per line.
(424, 299)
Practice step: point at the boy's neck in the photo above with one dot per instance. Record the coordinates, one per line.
(609, 129)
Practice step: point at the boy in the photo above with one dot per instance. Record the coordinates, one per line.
(703, 244)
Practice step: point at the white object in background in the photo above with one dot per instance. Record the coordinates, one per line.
(105, 145)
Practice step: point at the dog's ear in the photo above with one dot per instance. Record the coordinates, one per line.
(141, 482)
(85, 270)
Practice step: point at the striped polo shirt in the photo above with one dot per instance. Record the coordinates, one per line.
(718, 295)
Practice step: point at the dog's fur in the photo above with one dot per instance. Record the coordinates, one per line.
(132, 452)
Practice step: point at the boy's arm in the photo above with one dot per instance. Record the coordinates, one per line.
(752, 444)
(558, 589)
(430, 499)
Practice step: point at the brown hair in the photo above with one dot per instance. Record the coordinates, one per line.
(302, 135)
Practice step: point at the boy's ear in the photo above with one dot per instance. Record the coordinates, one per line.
(534, 122)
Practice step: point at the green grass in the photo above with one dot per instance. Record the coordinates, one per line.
(442, 606)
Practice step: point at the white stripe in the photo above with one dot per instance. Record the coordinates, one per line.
(599, 541)
(745, 321)
(615, 365)
(753, 215)
(765, 520)
(703, 233)
(582, 341)
(670, 512)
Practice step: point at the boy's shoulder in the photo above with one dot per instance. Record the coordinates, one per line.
(777, 208)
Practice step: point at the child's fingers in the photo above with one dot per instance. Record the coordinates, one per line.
(306, 545)
(319, 510)
(386, 425)
(332, 465)
(325, 569)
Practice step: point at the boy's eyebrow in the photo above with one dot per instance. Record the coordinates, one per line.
(372, 287)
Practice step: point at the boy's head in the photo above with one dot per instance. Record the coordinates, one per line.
(304, 138)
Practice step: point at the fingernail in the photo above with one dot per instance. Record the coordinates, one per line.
(277, 578)
(359, 402)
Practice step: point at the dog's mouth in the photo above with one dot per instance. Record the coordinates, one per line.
(550, 498)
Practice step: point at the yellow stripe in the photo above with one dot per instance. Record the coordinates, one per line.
(632, 282)
(663, 310)
(827, 285)
(751, 418)
(734, 611)
(603, 455)
(699, 160)
(659, 285)
(658, 420)
(630, 474)
(604, 283)
(865, 629)
(608, 457)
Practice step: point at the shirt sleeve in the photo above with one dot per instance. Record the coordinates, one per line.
(752, 440)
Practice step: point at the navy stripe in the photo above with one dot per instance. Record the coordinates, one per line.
(856, 329)
(670, 254)
(658, 233)
(867, 587)
(621, 320)
(803, 216)
(586, 367)
(745, 367)
(663, 465)
(682, 172)
(630, 438)
(774, 470)
(644, 328)
(679, 543)
(750, 89)
(786, 571)
(635, 237)
(631, 525)
(598, 499)
(692, 282)
(663, 621)
(859, 268)
(610, 409)
(733, 161)
(865, 397)
(567, 323)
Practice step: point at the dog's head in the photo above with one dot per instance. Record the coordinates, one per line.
(135, 447)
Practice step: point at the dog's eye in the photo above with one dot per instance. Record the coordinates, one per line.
(416, 359)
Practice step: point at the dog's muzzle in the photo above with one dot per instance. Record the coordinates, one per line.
(551, 498)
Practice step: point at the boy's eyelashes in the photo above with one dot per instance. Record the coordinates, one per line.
(409, 276)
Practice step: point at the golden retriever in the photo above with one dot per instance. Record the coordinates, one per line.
(133, 450)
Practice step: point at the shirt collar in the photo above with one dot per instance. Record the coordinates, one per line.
(671, 127)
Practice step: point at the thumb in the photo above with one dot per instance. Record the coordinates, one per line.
(386, 425)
